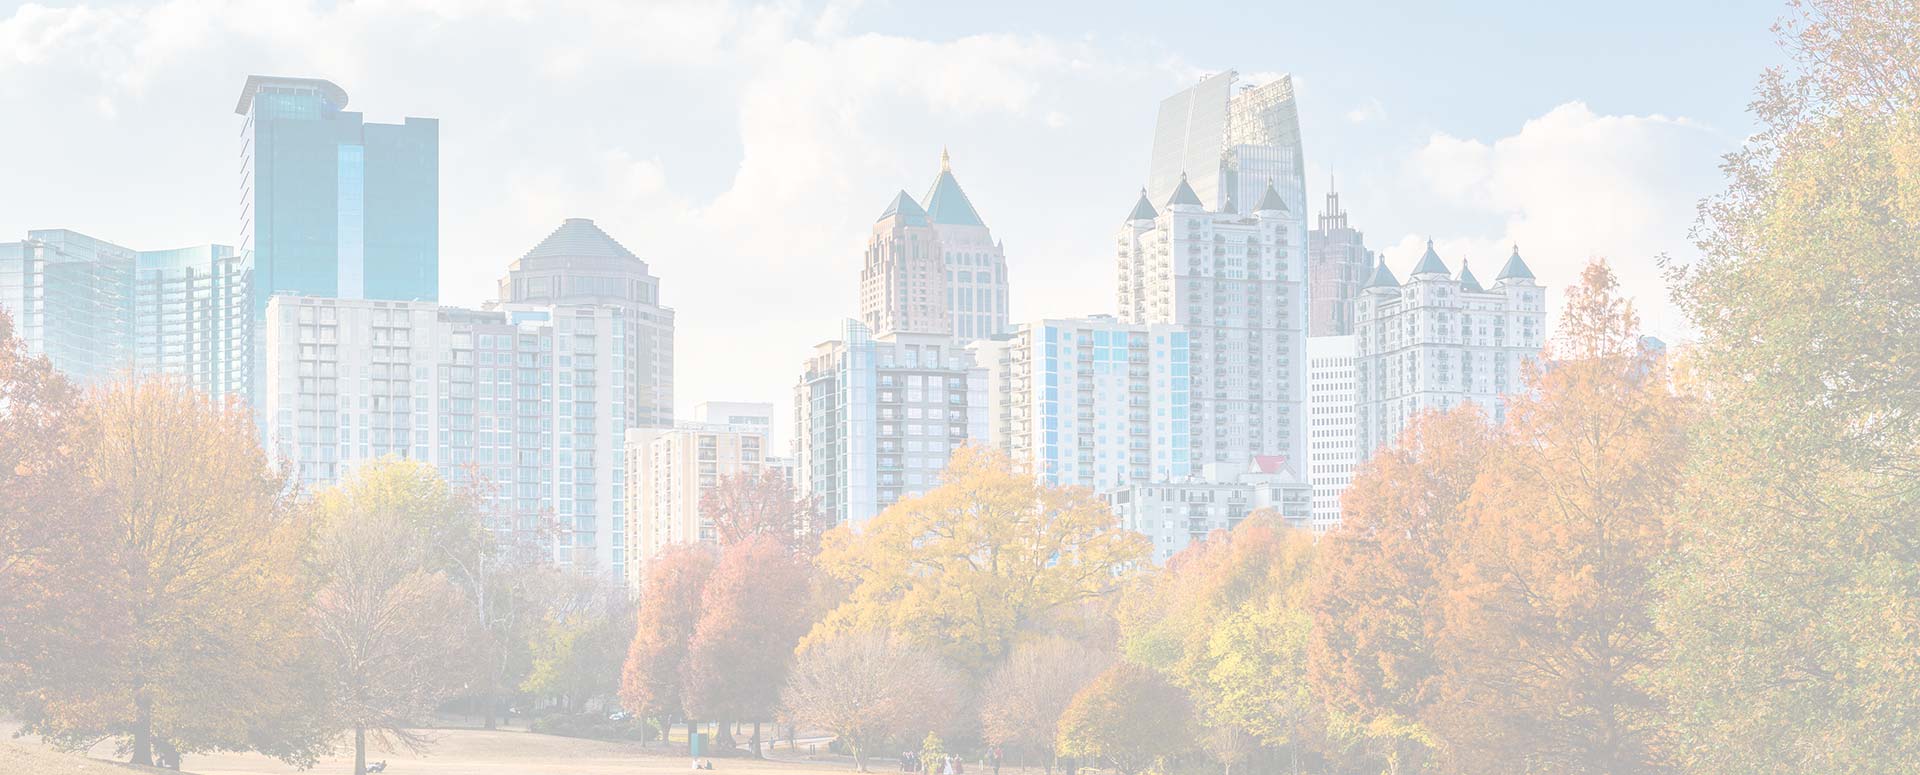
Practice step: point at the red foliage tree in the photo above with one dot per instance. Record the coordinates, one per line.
(669, 612)
(755, 610)
(751, 504)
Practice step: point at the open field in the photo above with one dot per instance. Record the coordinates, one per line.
(474, 752)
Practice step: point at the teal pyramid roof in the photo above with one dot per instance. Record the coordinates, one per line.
(1515, 268)
(1430, 262)
(1143, 209)
(1467, 281)
(579, 238)
(1383, 277)
(1271, 200)
(946, 203)
(908, 210)
(1183, 194)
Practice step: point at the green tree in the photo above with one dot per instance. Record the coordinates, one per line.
(989, 554)
(1794, 605)
(579, 648)
(1129, 718)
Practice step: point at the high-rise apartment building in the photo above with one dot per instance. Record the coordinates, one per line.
(934, 267)
(98, 310)
(331, 205)
(1439, 340)
(581, 264)
(669, 471)
(1236, 284)
(1091, 402)
(1330, 425)
(1338, 261)
(1175, 515)
(875, 418)
(526, 397)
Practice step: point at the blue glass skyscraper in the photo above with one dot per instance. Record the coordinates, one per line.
(334, 206)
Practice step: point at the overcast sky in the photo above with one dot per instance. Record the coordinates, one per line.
(744, 150)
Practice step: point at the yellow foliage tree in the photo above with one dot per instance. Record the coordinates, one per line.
(976, 562)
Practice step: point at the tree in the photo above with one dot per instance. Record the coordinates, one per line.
(1547, 637)
(1791, 609)
(754, 610)
(507, 584)
(578, 651)
(745, 505)
(1023, 698)
(650, 683)
(389, 627)
(1130, 718)
(198, 653)
(1375, 592)
(985, 556)
(54, 593)
(866, 688)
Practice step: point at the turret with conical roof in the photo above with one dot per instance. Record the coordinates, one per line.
(1382, 278)
(1271, 201)
(1516, 269)
(1183, 196)
(1430, 263)
(1143, 209)
(1467, 281)
(907, 210)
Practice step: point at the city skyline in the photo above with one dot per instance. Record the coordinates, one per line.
(1083, 101)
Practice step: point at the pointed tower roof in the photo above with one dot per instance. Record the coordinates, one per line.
(1430, 262)
(1515, 269)
(1143, 209)
(1467, 281)
(1383, 277)
(946, 203)
(579, 238)
(908, 210)
(1183, 194)
(1271, 200)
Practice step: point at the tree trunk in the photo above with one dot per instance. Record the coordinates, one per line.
(359, 750)
(723, 736)
(143, 731)
(756, 740)
(487, 693)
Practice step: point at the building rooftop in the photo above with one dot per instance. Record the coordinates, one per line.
(334, 95)
(1183, 194)
(1430, 262)
(908, 210)
(1143, 209)
(946, 203)
(1515, 269)
(580, 238)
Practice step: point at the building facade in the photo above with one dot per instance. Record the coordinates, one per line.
(1230, 143)
(876, 418)
(1176, 515)
(193, 318)
(669, 470)
(934, 267)
(1331, 428)
(1439, 340)
(524, 398)
(1338, 262)
(581, 264)
(1236, 284)
(1091, 402)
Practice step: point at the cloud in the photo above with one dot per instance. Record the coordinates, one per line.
(1371, 110)
(1571, 185)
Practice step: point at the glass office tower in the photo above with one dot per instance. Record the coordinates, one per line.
(333, 206)
(71, 299)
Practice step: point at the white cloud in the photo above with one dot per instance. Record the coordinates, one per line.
(1571, 185)
(1371, 110)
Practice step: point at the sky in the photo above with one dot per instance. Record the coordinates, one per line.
(744, 149)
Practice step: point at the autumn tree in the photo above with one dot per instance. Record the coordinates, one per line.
(866, 688)
(1791, 612)
(1130, 718)
(53, 590)
(670, 599)
(1023, 698)
(985, 556)
(509, 588)
(753, 611)
(1548, 639)
(750, 504)
(388, 626)
(198, 652)
(1375, 592)
(577, 651)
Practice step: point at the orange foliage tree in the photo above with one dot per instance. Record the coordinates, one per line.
(670, 599)
(753, 611)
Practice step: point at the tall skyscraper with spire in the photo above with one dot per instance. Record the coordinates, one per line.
(933, 267)
(1338, 261)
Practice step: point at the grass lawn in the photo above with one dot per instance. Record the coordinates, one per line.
(468, 752)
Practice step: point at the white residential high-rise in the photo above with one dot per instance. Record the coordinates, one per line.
(581, 264)
(934, 267)
(1091, 401)
(528, 397)
(1330, 425)
(1175, 515)
(1236, 284)
(876, 418)
(1438, 340)
(669, 470)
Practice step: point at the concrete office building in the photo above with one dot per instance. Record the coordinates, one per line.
(1176, 515)
(1331, 427)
